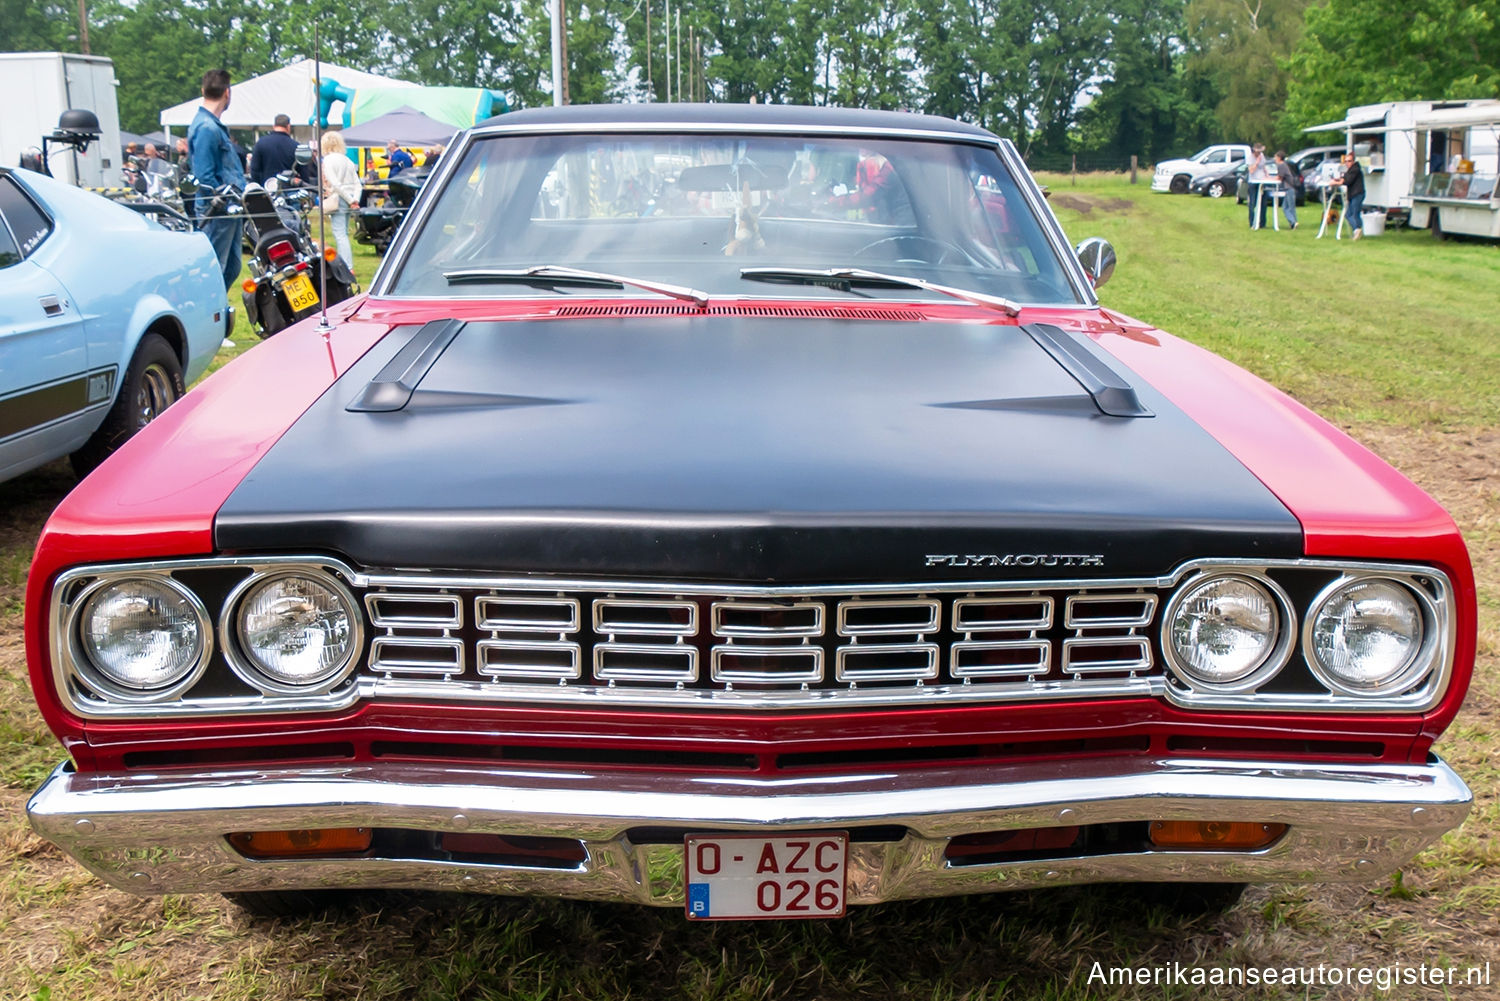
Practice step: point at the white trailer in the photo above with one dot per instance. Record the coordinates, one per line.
(1384, 140)
(40, 86)
(1460, 196)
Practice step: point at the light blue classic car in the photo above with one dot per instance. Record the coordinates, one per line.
(104, 317)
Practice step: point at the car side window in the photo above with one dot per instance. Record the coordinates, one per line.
(1235, 156)
(28, 224)
(1217, 156)
(9, 253)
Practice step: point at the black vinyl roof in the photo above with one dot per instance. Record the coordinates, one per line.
(748, 115)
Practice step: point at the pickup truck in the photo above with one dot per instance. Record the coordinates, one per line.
(1176, 175)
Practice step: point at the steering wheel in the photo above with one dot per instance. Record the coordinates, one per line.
(913, 249)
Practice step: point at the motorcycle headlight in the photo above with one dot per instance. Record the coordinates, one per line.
(297, 631)
(142, 639)
(1225, 633)
(1366, 637)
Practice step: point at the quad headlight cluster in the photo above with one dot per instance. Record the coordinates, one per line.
(1367, 634)
(149, 638)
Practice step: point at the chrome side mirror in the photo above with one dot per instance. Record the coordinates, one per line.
(1097, 258)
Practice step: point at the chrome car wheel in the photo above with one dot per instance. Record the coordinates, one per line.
(157, 392)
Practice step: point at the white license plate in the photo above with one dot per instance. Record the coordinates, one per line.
(745, 877)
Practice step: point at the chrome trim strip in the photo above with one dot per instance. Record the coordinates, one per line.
(1051, 228)
(453, 621)
(716, 619)
(844, 671)
(604, 627)
(927, 624)
(520, 669)
(745, 676)
(1428, 695)
(1072, 620)
(1043, 621)
(154, 834)
(1043, 649)
(660, 674)
(1141, 662)
(483, 619)
(382, 664)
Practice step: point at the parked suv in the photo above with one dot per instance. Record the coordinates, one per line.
(1176, 175)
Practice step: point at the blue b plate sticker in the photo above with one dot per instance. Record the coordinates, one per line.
(698, 900)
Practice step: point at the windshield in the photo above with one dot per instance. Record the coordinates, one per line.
(695, 210)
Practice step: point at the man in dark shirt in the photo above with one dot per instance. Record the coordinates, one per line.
(1353, 181)
(274, 152)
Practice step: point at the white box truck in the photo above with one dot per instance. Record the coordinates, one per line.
(40, 86)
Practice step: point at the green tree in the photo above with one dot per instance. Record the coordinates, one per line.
(1393, 50)
(1244, 46)
(1150, 103)
(39, 26)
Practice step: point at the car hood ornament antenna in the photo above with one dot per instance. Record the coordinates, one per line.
(323, 326)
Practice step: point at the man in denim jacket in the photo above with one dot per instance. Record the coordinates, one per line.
(215, 163)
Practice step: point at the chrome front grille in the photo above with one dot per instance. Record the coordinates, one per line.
(699, 647)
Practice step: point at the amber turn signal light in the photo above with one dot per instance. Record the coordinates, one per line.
(248, 285)
(302, 844)
(1214, 835)
(329, 253)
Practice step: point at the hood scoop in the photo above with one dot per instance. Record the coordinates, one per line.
(1090, 367)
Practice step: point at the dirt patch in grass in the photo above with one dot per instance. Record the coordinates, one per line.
(1084, 204)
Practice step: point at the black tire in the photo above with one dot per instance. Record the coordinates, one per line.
(1179, 185)
(290, 903)
(1216, 189)
(152, 383)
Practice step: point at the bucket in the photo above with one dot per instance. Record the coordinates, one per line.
(1374, 223)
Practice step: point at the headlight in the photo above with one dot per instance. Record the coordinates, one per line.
(1225, 633)
(1365, 637)
(142, 639)
(296, 631)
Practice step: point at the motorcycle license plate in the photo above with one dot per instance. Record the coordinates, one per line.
(300, 293)
(747, 877)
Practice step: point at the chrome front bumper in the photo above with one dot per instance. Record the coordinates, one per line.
(163, 833)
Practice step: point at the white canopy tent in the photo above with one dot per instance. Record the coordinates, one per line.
(255, 103)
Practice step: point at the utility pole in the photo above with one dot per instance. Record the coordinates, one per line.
(679, 52)
(558, 71)
(669, 50)
(650, 84)
(83, 25)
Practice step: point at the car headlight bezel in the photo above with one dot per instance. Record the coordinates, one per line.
(1285, 630)
(1417, 666)
(113, 689)
(245, 665)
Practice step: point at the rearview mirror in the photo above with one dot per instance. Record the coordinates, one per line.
(1097, 258)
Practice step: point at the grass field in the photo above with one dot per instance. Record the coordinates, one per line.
(1394, 338)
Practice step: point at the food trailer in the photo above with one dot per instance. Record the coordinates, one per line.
(1460, 195)
(1385, 142)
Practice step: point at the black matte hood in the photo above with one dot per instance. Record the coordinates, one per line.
(746, 449)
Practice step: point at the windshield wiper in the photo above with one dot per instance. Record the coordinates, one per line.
(847, 278)
(551, 275)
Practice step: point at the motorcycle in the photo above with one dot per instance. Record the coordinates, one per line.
(286, 272)
(377, 224)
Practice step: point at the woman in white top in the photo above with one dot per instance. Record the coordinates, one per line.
(341, 191)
